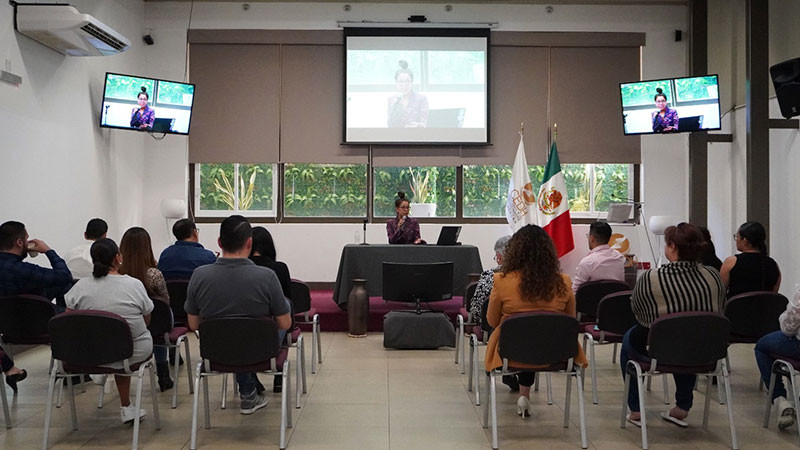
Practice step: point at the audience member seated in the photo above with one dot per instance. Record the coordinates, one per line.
(263, 254)
(403, 229)
(751, 270)
(486, 280)
(108, 290)
(784, 343)
(602, 262)
(529, 279)
(682, 285)
(138, 262)
(79, 259)
(178, 261)
(709, 257)
(234, 286)
(18, 277)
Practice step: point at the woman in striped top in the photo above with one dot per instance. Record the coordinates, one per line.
(683, 285)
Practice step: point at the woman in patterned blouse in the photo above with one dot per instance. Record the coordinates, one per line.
(403, 229)
(144, 116)
(665, 119)
(486, 281)
(407, 109)
(138, 262)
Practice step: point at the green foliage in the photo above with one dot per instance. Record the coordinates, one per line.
(390, 180)
(218, 191)
(688, 89)
(173, 93)
(325, 190)
(611, 185)
(637, 94)
(370, 67)
(578, 185)
(127, 88)
(485, 190)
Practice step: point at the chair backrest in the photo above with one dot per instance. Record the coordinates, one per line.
(160, 319)
(755, 314)
(301, 296)
(484, 322)
(90, 338)
(239, 341)
(689, 339)
(614, 313)
(23, 319)
(469, 293)
(539, 337)
(177, 297)
(588, 296)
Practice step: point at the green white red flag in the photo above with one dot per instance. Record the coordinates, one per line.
(553, 206)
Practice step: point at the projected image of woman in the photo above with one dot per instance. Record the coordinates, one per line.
(665, 119)
(407, 109)
(143, 116)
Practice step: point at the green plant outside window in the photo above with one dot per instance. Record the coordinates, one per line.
(421, 185)
(127, 88)
(175, 93)
(325, 190)
(640, 94)
(700, 88)
(236, 187)
(611, 185)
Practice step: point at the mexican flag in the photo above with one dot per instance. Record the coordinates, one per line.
(552, 205)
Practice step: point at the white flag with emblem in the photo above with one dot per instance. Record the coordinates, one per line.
(521, 201)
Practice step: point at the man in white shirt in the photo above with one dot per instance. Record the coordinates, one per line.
(602, 262)
(79, 261)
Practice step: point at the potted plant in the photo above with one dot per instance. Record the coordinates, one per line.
(424, 204)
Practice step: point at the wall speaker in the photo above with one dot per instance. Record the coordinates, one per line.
(678, 35)
(786, 79)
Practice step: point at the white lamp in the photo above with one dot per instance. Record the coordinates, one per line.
(657, 225)
(172, 208)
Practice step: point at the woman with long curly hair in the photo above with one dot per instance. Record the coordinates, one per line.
(529, 279)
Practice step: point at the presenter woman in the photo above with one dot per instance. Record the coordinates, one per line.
(144, 116)
(402, 229)
(665, 119)
(407, 109)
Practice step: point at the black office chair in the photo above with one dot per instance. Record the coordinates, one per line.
(465, 322)
(588, 297)
(166, 335)
(307, 315)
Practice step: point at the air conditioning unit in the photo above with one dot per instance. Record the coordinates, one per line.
(64, 29)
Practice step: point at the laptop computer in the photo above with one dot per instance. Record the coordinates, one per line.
(692, 123)
(445, 118)
(449, 235)
(162, 125)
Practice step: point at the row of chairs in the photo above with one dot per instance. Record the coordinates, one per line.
(746, 318)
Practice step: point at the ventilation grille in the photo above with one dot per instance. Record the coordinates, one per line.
(104, 37)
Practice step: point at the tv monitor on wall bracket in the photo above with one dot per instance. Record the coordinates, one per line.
(146, 104)
(670, 105)
(416, 86)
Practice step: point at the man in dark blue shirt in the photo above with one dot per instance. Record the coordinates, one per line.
(18, 277)
(179, 260)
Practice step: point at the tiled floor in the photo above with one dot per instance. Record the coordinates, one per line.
(365, 397)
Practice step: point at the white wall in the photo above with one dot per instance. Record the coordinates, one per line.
(59, 169)
(312, 251)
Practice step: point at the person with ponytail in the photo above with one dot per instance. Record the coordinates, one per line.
(752, 269)
(144, 116)
(407, 109)
(108, 290)
(403, 229)
(665, 119)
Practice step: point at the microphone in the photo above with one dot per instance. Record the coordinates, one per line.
(403, 220)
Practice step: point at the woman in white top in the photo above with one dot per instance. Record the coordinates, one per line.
(109, 291)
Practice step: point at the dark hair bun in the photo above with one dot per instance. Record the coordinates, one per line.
(144, 89)
(659, 90)
(401, 195)
(403, 64)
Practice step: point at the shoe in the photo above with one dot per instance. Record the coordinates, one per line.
(637, 422)
(12, 380)
(670, 418)
(512, 382)
(164, 380)
(786, 413)
(522, 407)
(252, 404)
(128, 413)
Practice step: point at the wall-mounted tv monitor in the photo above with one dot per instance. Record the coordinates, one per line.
(146, 104)
(416, 86)
(672, 105)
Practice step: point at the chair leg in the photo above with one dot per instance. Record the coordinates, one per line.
(485, 406)
(314, 347)
(536, 382)
(643, 415)
(207, 404)
(567, 401)
(493, 407)
(625, 390)
(154, 393)
(549, 388)
(224, 399)
(48, 411)
(581, 410)
(60, 395)
(101, 396)
(303, 362)
(666, 389)
(459, 337)
(318, 330)
(284, 406)
(587, 339)
(137, 405)
(176, 368)
(6, 412)
(288, 381)
(768, 406)
(471, 355)
(72, 410)
(189, 374)
(195, 402)
(708, 400)
(298, 367)
(614, 354)
(729, 401)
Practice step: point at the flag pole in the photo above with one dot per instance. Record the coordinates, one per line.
(522, 129)
(555, 131)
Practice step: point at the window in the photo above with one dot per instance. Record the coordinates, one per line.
(175, 93)
(485, 190)
(431, 186)
(246, 189)
(325, 190)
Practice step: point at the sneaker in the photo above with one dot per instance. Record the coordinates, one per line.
(786, 413)
(253, 403)
(128, 413)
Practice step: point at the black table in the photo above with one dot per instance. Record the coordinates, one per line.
(366, 261)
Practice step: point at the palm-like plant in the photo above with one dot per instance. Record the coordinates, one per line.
(228, 193)
(420, 186)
